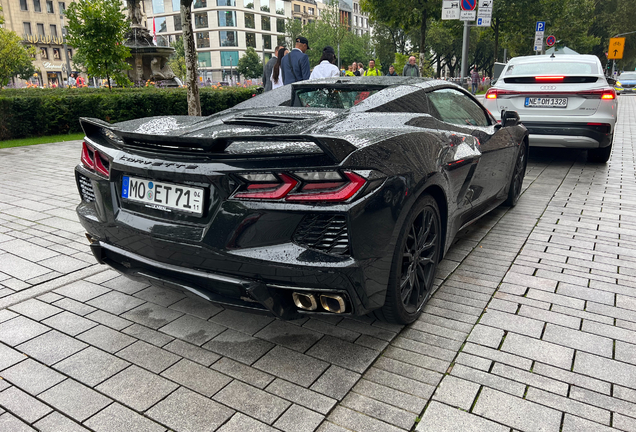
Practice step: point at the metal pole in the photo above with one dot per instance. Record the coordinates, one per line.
(464, 72)
(338, 56)
(65, 47)
(505, 55)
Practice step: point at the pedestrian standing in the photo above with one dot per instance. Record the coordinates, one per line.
(72, 82)
(276, 77)
(474, 77)
(326, 68)
(349, 71)
(372, 71)
(411, 68)
(296, 64)
(269, 67)
(392, 71)
(360, 69)
(354, 69)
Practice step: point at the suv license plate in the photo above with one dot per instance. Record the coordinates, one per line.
(546, 102)
(163, 196)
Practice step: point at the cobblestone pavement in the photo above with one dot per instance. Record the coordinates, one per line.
(533, 327)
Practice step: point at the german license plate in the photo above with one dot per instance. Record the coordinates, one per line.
(163, 196)
(546, 102)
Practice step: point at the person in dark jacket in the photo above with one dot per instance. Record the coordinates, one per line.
(269, 67)
(411, 68)
(295, 65)
(392, 71)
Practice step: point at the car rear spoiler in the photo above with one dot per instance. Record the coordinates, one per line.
(336, 148)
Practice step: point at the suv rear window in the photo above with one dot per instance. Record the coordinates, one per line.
(552, 68)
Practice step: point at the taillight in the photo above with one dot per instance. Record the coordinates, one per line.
(314, 186)
(94, 160)
(491, 93)
(609, 94)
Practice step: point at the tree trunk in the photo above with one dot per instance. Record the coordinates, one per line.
(108, 79)
(194, 103)
(496, 21)
(423, 42)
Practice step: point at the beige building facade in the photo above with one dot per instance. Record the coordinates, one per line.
(40, 23)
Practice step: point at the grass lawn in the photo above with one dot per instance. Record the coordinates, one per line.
(40, 140)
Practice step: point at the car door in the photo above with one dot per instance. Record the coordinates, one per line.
(465, 116)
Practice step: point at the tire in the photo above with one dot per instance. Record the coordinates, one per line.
(414, 264)
(519, 172)
(599, 155)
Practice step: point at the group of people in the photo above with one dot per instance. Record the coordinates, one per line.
(286, 67)
(76, 80)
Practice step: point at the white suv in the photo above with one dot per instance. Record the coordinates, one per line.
(563, 100)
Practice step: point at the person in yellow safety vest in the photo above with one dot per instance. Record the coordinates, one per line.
(372, 71)
(349, 72)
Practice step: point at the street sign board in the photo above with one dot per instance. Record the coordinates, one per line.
(469, 5)
(540, 27)
(483, 22)
(616, 47)
(550, 41)
(450, 9)
(468, 15)
(538, 42)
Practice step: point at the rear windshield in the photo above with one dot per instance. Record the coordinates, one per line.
(628, 76)
(552, 68)
(331, 97)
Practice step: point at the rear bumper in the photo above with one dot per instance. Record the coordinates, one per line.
(569, 135)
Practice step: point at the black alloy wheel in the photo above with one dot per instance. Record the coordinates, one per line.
(516, 182)
(414, 263)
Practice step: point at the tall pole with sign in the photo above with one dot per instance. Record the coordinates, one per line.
(539, 32)
(468, 13)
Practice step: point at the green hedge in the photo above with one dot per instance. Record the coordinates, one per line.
(41, 112)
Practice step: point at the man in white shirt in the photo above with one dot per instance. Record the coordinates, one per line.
(326, 68)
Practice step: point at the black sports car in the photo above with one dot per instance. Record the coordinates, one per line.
(333, 196)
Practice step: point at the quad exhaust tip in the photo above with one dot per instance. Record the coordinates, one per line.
(329, 302)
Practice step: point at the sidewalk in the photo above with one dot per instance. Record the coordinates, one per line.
(533, 327)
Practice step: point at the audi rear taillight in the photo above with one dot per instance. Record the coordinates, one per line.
(315, 186)
(491, 93)
(94, 160)
(609, 94)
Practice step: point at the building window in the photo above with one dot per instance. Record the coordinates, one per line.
(249, 21)
(176, 6)
(280, 25)
(250, 40)
(297, 8)
(36, 6)
(160, 25)
(70, 53)
(249, 5)
(201, 20)
(44, 53)
(177, 22)
(310, 11)
(49, 6)
(198, 4)
(228, 38)
(41, 29)
(280, 40)
(53, 29)
(355, 20)
(227, 19)
(226, 2)
(157, 6)
(229, 58)
(267, 42)
(56, 54)
(265, 24)
(204, 59)
(23, 5)
(62, 7)
(280, 7)
(27, 28)
(265, 8)
(203, 40)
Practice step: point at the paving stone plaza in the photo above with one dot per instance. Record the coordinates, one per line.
(533, 327)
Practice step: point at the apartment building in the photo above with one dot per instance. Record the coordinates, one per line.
(305, 11)
(360, 20)
(223, 30)
(40, 24)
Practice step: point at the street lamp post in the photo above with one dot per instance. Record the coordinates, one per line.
(65, 47)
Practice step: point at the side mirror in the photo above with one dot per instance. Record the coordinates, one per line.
(509, 118)
(611, 81)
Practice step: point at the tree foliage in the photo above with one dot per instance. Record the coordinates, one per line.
(15, 58)
(97, 30)
(250, 65)
(177, 59)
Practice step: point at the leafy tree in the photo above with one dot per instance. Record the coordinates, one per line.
(15, 58)
(97, 30)
(177, 59)
(250, 65)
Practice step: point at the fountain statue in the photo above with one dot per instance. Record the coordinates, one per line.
(149, 62)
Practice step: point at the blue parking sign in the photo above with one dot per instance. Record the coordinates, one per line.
(540, 26)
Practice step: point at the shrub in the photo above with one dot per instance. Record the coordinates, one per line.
(41, 112)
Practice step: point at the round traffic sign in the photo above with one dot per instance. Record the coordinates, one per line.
(550, 41)
(469, 5)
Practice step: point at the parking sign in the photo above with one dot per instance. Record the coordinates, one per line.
(540, 26)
